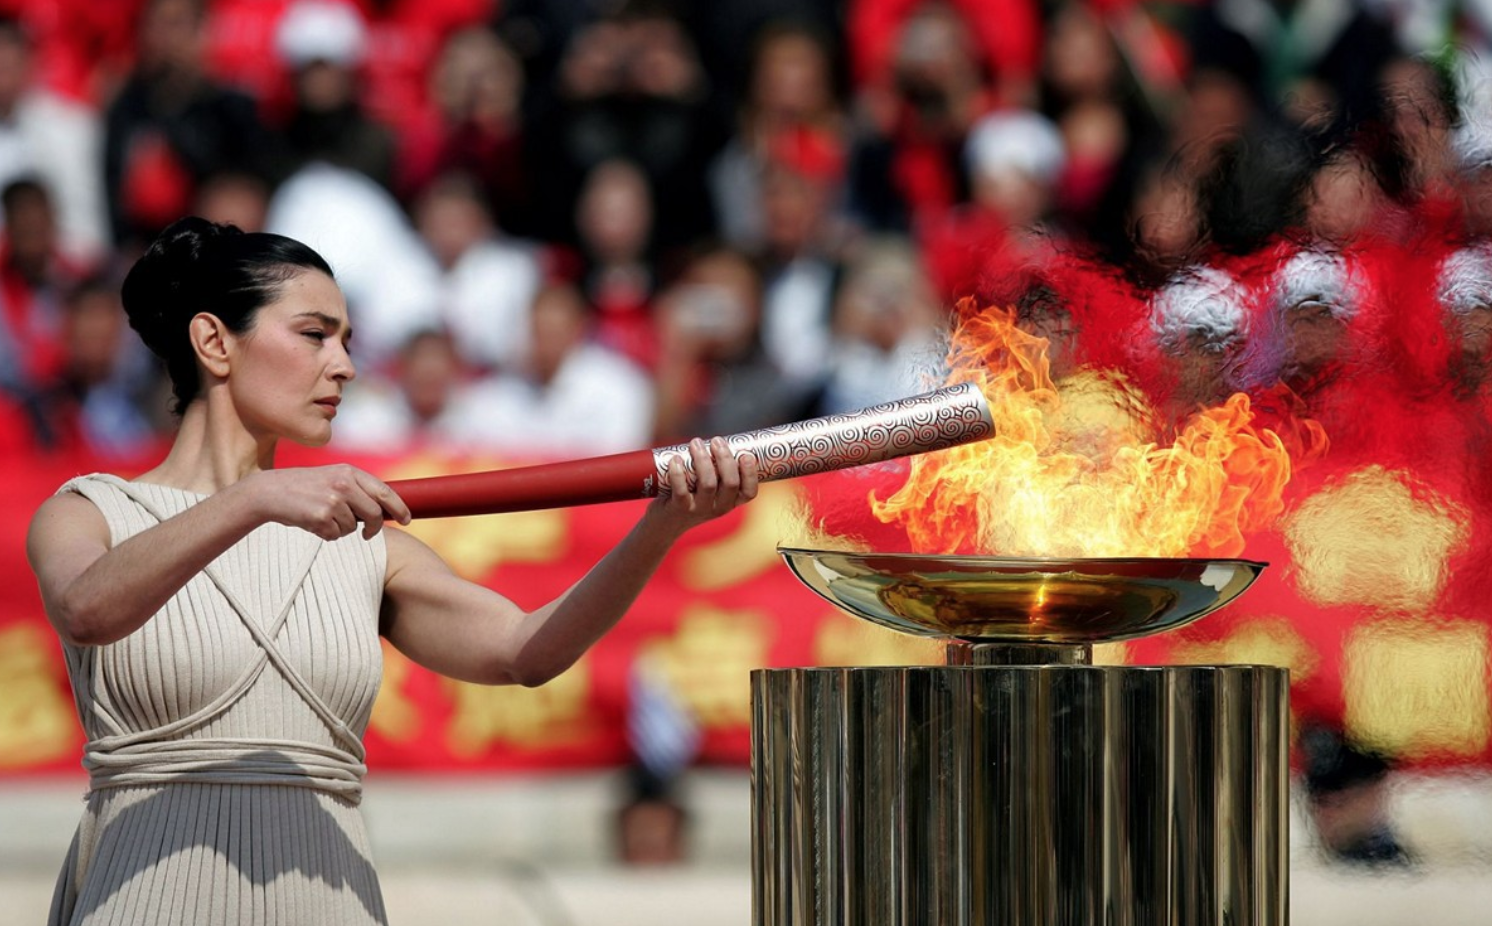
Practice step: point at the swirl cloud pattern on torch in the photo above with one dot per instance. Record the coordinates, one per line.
(933, 421)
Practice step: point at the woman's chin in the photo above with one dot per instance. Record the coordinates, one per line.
(317, 440)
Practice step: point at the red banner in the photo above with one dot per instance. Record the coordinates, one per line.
(1407, 670)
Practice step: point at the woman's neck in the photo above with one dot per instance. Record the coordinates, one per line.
(212, 450)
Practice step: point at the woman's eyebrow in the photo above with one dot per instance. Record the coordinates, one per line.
(331, 321)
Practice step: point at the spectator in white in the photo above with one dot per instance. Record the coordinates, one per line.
(1015, 158)
(1464, 289)
(1012, 160)
(1471, 144)
(487, 282)
(387, 274)
(1200, 323)
(888, 331)
(414, 406)
(572, 398)
(800, 257)
(58, 141)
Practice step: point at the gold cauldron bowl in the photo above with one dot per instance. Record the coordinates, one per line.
(992, 599)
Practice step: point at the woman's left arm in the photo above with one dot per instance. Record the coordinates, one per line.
(469, 632)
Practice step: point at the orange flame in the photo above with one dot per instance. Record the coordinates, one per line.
(1077, 468)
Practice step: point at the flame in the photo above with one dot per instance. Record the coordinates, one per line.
(1077, 468)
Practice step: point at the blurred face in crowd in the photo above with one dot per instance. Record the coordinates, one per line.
(649, 56)
(93, 331)
(1016, 196)
(615, 212)
(235, 199)
(1080, 60)
(713, 311)
(794, 207)
(30, 232)
(1165, 219)
(1203, 369)
(935, 69)
(1471, 333)
(1314, 338)
(791, 81)
(476, 77)
(171, 36)
(429, 371)
(1217, 108)
(451, 220)
(15, 68)
(1343, 199)
(885, 299)
(325, 86)
(560, 319)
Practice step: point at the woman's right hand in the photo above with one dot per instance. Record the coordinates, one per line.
(328, 501)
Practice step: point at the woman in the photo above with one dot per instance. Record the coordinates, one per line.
(220, 617)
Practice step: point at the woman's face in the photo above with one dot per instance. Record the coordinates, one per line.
(287, 372)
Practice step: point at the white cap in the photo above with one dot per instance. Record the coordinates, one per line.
(321, 30)
(1200, 302)
(1464, 282)
(1471, 142)
(1312, 275)
(1017, 139)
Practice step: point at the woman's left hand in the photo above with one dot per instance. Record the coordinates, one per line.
(722, 482)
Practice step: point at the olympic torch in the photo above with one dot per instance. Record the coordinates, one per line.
(935, 420)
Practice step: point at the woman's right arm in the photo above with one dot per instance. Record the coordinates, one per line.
(95, 593)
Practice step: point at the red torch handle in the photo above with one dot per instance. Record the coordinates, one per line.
(612, 478)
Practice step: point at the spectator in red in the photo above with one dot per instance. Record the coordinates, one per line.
(907, 162)
(474, 128)
(172, 125)
(614, 226)
(83, 48)
(1004, 34)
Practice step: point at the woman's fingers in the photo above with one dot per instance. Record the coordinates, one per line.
(705, 478)
(750, 476)
(728, 474)
(388, 500)
(678, 479)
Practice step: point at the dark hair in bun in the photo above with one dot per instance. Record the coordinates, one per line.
(200, 266)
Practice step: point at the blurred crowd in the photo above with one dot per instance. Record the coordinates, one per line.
(568, 227)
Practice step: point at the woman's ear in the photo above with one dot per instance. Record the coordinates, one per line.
(210, 342)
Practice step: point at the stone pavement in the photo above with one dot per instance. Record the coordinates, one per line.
(537, 851)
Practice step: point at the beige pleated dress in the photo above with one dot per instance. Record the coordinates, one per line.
(224, 747)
